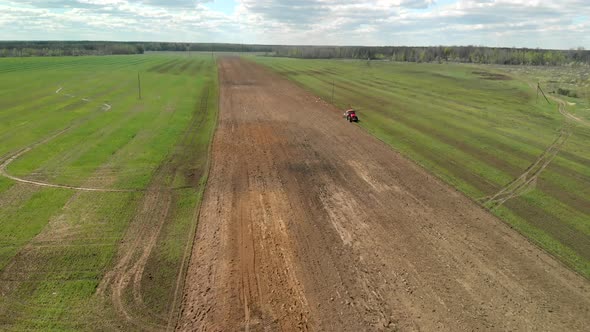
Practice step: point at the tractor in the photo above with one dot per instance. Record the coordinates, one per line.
(351, 116)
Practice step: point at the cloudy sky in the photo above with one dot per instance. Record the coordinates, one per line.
(521, 23)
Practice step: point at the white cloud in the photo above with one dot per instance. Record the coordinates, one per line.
(529, 23)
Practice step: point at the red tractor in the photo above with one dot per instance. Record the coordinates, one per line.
(350, 115)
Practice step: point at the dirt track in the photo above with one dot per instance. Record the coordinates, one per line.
(309, 223)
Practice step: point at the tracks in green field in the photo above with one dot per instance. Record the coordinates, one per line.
(7, 160)
(527, 180)
(61, 134)
(122, 285)
(10, 159)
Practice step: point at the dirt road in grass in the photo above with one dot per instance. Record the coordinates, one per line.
(310, 223)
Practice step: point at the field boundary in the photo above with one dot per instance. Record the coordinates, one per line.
(122, 284)
(187, 255)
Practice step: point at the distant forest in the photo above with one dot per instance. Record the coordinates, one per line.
(467, 54)
(79, 48)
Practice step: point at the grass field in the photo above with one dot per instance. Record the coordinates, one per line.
(99, 189)
(551, 79)
(478, 128)
(86, 127)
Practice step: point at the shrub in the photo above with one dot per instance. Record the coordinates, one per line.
(567, 92)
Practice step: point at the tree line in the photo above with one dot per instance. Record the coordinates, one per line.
(66, 48)
(80, 48)
(468, 54)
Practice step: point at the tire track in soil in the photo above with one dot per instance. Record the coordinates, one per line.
(301, 230)
(122, 284)
(254, 187)
(174, 308)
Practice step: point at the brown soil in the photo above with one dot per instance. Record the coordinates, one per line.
(309, 223)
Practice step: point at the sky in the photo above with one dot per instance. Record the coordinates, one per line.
(552, 24)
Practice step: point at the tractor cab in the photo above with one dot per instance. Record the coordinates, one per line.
(350, 115)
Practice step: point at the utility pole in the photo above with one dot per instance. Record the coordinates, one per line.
(332, 92)
(539, 88)
(139, 85)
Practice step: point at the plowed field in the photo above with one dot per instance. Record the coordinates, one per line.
(310, 223)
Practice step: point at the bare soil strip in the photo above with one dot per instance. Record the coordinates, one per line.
(310, 223)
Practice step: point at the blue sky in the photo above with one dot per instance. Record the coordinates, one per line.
(508, 23)
(223, 6)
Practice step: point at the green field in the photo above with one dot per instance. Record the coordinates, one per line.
(131, 159)
(99, 189)
(570, 78)
(478, 128)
